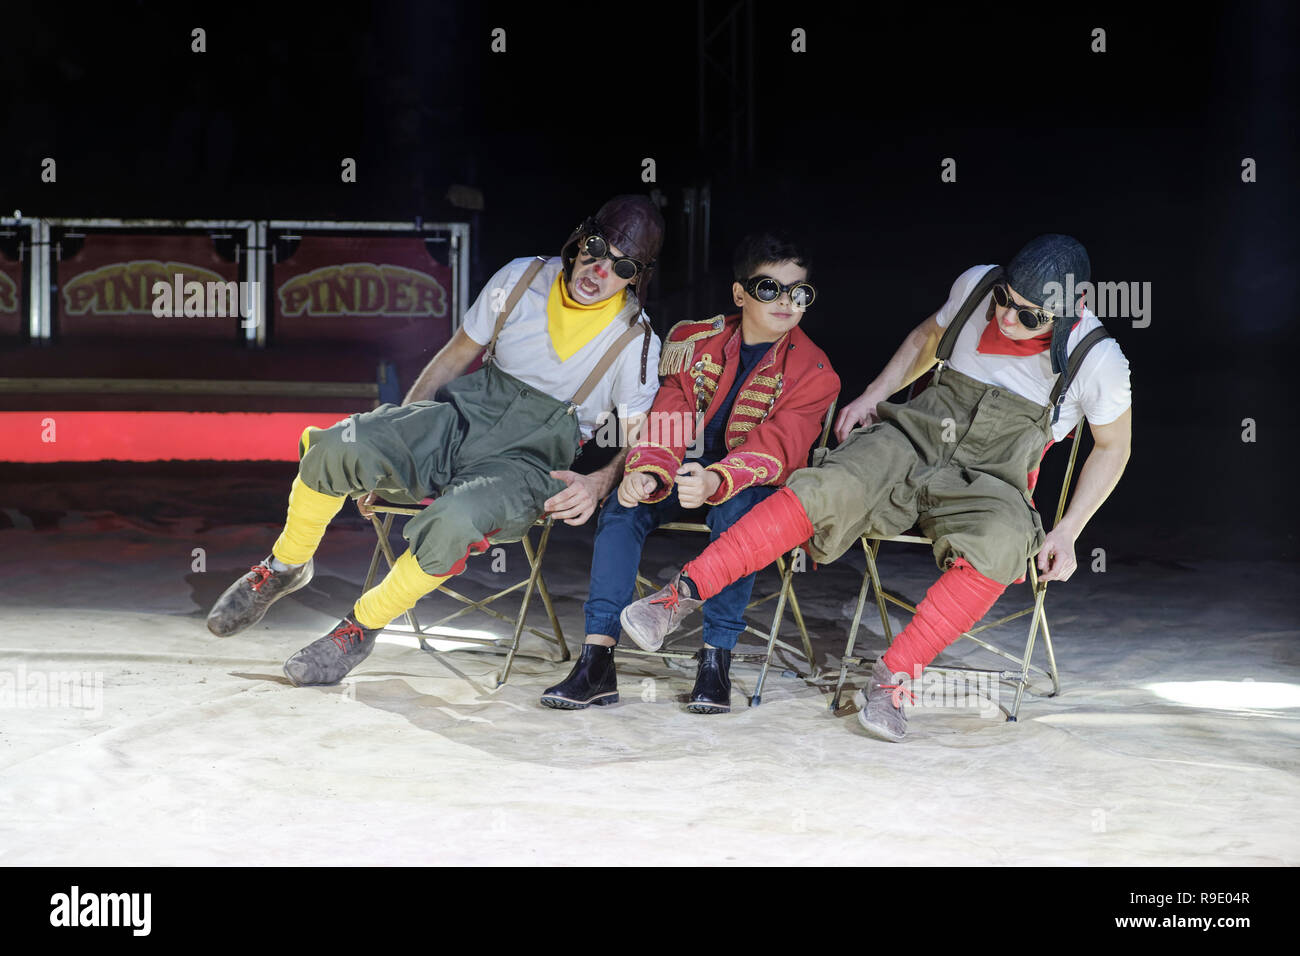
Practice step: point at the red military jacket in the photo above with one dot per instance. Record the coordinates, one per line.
(777, 416)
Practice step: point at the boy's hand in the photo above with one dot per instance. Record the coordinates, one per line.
(695, 484)
(635, 488)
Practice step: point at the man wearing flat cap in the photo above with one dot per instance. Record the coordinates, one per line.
(1018, 368)
(566, 340)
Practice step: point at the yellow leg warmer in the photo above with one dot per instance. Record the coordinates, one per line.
(397, 593)
(310, 513)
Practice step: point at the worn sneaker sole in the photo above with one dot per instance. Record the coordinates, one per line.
(297, 682)
(647, 642)
(875, 730)
(564, 703)
(294, 680)
(232, 631)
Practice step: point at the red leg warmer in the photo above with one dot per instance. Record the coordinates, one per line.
(764, 533)
(951, 607)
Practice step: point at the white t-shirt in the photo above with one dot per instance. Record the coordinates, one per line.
(524, 348)
(1100, 392)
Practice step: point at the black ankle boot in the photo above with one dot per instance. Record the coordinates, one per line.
(712, 692)
(592, 681)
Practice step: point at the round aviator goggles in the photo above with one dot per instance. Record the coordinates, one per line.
(767, 289)
(597, 247)
(1030, 316)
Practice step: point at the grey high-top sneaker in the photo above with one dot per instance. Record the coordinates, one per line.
(651, 619)
(881, 710)
(329, 659)
(243, 603)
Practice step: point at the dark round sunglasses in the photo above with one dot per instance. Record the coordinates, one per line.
(767, 289)
(625, 267)
(1031, 317)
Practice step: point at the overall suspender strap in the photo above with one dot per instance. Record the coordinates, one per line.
(645, 349)
(982, 288)
(515, 295)
(606, 360)
(1077, 356)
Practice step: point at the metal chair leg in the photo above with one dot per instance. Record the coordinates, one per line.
(1040, 594)
(813, 670)
(1051, 656)
(874, 571)
(523, 606)
(771, 638)
(381, 529)
(1047, 634)
(853, 633)
(546, 594)
(386, 549)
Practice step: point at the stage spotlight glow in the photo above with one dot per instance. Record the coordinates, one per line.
(403, 636)
(1230, 695)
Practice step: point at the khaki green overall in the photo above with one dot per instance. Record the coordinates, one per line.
(484, 449)
(954, 460)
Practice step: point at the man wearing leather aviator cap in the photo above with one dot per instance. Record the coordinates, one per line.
(742, 401)
(1018, 368)
(567, 339)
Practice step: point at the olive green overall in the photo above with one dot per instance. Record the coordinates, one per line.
(954, 460)
(484, 450)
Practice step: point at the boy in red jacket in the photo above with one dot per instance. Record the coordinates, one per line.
(742, 401)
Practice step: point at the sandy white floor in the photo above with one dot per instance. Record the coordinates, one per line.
(1173, 742)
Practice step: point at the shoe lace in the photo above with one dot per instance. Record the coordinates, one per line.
(347, 634)
(263, 575)
(896, 695)
(669, 600)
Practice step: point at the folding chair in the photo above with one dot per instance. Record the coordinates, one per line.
(1024, 665)
(785, 567)
(534, 581)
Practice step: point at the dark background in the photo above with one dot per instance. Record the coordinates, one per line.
(1136, 151)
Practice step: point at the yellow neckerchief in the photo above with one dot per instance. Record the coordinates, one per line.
(571, 324)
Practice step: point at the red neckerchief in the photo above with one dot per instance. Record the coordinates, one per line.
(993, 342)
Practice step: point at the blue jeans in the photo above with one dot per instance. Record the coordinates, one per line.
(620, 534)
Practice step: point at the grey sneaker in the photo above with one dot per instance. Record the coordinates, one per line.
(244, 602)
(881, 711)
(651, 619)
(328, 660)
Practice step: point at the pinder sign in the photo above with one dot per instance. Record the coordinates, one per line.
(363, 289)
(108, 286)
(373, 288)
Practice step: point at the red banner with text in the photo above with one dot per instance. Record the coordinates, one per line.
(145, 286)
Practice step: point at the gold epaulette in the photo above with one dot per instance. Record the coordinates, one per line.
(680, 344)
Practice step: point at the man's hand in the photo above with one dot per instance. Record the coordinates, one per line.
(366, 502)
(635, 488)
(695, 484)
(1056, 560)
(575, 504)
(860, 411)
(912, 360)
